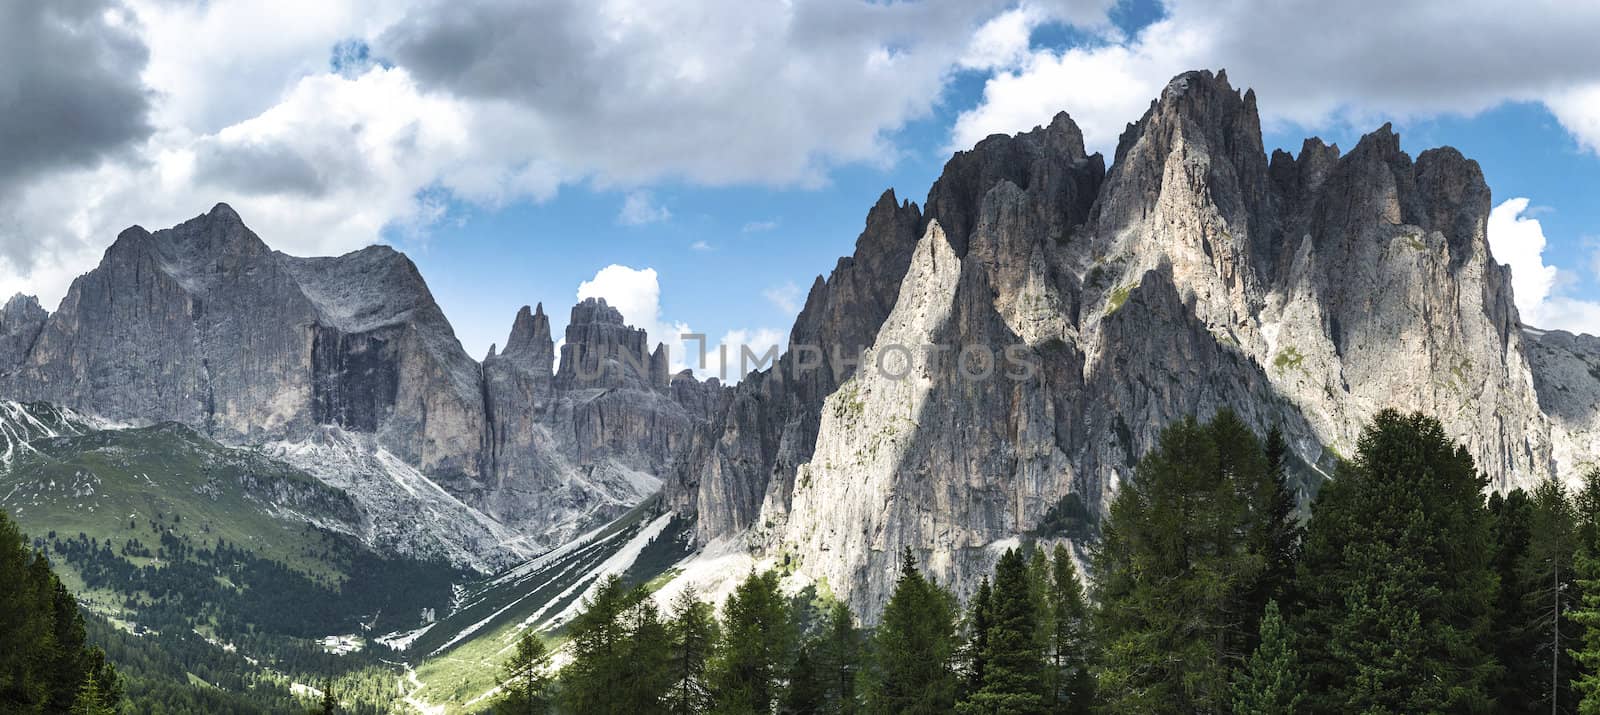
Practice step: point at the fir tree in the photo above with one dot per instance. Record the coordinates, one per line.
(804, 694)
(329, 704)
(1270, 682)
(838, 658)
(523, 678)
(975, 653)
(756, 649)
(1013, 679)
(45, 664)
(1396, 578)
(647, 651)
(593, 682)
(912, 665)
(1073, 690)
(692, 633)
(1586, 614)
(1176, 571)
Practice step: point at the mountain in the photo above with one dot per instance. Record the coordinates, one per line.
(346, 368)
(1306, 292)
(1024, 336)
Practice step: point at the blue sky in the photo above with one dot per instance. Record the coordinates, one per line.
(723, 153)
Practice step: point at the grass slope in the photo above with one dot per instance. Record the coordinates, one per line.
(458, 658)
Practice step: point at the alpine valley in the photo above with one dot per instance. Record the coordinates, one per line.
(259, 471)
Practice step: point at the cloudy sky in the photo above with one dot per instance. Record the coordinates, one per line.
(700, 163)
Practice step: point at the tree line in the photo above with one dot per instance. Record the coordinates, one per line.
(46, 662)
(1403, 588)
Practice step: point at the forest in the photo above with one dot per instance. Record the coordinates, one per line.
(1405, 588)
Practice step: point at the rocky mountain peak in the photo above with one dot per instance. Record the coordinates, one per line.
(20, 322)
(530, 333)
(603, 351)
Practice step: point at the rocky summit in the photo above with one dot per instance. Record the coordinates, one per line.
(1190, 273)
(1196, 273)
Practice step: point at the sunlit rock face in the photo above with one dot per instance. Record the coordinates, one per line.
(1197, 273)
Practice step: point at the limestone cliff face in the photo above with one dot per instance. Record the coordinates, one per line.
(571, 449)
(1566, 373)
(1197, 273)
(346, 367)
(204, 325)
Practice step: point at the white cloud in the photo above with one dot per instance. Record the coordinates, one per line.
(759, 226)
(640, 208)
(1311, 66)
(786, 297)
(636, 294)
(258, 106)
(700, 246)
(747, 350)
(1519, 242)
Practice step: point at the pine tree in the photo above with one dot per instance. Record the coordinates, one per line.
(1040, 599)
(975, 653)
(44, 662)
(913, 651)
(1276, 533)
(1176, 571)
(1586, 614)
(804, 695)
(1013, 680)
(1069, 638)
(756, 649)
(523, 678)
(88, 700)
(1270, 682)
(1396, 578)
(1535, 544)
(646, 651)
(329, 704)
(838, 658)
(1515, 642)
(692, 633)
(593, 681)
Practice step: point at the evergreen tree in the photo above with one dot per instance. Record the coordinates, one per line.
(1586, 614)
(594, 681)
(1270, 682)
(838, 658)
(756, 649)
(1040, 591)
(1275, 532)
(1177, 571)
(647, 651)
(1073, 690)
(1515, 642)
(913, 651)
(523, 679)
(804, 695)
(89, 700)
(976, 651)
(45, 665)
(692, 633)
(1396, 578)
(1013, 679)
(329, 704)
(1535, 545)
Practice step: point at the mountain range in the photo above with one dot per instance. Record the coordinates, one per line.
(1191, 272)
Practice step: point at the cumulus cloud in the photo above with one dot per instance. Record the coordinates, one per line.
(69, 82)
(1518, 240)
(785, 297)
(636, 294)
(72, 98)
(1311, 66)
(715, 92)
(640, 208)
